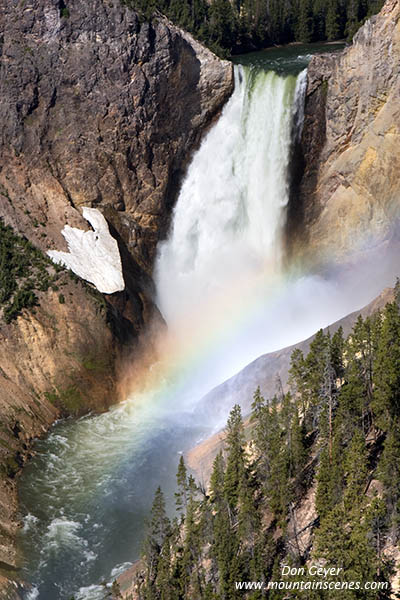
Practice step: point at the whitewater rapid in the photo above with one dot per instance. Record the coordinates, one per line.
(226, 300)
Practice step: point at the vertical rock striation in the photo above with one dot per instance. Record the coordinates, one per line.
(350, 191)
(100, 110)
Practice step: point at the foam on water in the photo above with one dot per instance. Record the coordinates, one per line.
(221, 287)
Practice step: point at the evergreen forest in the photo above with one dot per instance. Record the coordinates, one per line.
(24, 271)
(234, 26)
(332, 442)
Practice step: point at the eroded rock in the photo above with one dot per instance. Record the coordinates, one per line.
(350, 192)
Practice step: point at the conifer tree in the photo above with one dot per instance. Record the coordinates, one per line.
(332, 26)
(298, 451)
(389, 474)
(159, 528)
(353, 19)
(387, 370)
(166, 586)
(192, 546)
(330, 478)
(305, 22)
(235, 464)
(337, 348)
(182, 483)
(356, 472)
(319, 10)
(315, 365)
(323, 499)
(217, 482)
(222, 24)
(298, 379)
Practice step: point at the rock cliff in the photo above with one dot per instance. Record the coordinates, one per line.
(350, 193)
(101, 110)
(98, 109)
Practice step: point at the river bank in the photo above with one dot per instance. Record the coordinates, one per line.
(223, 306)
(114, 462)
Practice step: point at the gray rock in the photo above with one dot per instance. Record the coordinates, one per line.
(350, 191)
(99, 109)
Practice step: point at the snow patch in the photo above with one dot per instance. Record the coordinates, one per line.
(93, 255)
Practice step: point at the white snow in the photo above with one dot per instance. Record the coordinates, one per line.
(93, 255)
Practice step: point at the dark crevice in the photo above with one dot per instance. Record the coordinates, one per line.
(62, 7)
(295, 209)
(303, 170)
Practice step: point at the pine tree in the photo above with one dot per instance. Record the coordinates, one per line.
(331, 541)
(376, 519)
(374, 6)
(305, 22)
(166, 585)
(298, 451)
(356, 472)
(332, 26)
(235, 464)
(389, 474)
(217, 482)
(315, 365)
(357, 392)
(353, 19)
(323, 499)
(222, 24)
(337, 348)
(387, 371)
(159, 528)
(182, 483)
(192, 547)
(319, 10)
(298, 379)
(276, 24)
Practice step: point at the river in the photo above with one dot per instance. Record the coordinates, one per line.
(85, 495)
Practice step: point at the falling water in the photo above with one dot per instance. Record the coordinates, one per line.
(85, 494)
(228, 219)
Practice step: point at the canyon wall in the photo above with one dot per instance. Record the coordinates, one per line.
(97, 109)
(349, 196)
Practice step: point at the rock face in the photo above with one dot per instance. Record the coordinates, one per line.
(350, 190)
(100, 110)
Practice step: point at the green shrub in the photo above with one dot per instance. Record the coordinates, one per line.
(24, 271)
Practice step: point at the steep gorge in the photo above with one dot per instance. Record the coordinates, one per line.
(101, 110)
(97, 109)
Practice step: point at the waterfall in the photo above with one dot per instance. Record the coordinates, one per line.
(299, 105)
(98, 475)
(226, 226)
(87, 492)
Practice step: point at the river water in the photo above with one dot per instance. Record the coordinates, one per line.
(85, 495)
